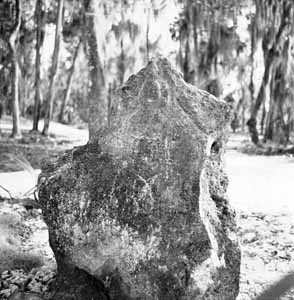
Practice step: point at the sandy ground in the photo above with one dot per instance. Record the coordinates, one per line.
(75, 135)
(18, 183)
(260, 183)
(261, 191)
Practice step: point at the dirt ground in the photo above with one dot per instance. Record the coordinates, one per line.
(260, 190)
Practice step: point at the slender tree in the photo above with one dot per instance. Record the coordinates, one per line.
(37, 104)
(69, 83)
(122, 57)
(54, 68)
(147, 33)
(98, 93)
(12, 44)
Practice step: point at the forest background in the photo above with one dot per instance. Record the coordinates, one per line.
(62, 60)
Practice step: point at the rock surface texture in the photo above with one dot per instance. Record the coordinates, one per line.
(141, 212)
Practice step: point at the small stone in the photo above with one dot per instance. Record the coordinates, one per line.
(46, 278)
(5, 284)
(5, 293)
(36, 287)
(250, 237)
(13, 287)
(34, 271)
(15, 279)
(5, 275)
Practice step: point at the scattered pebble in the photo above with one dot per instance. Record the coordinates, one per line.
(37, 280)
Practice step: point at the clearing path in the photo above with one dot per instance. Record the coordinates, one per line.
(60, 131)
(25, 155)
(261, 191)
(261, 183)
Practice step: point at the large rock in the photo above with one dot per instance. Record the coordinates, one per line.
(141, 211)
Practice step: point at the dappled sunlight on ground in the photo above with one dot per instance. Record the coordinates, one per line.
(75, 135)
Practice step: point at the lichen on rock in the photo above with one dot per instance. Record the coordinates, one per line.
(142, 208)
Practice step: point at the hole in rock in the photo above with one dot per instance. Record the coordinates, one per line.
(126, 88)
(215, 147)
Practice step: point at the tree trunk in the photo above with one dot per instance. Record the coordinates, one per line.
(122, 67)
(188, 65)
(252, 122)
(147, 35)
(276, 129)
(243, 124)
(252, 51)
(269, 118)
(69, 84)
(15, 73)
(25, 95)
(15, 94)
(54, 67)
(37, 104)
(109, 103)
(263, 118)
(98, 94)
(270, 60)
(122, 57)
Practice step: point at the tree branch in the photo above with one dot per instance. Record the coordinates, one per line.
(7, 191)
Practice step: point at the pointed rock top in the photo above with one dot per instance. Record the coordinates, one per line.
(158, 89)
